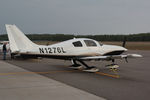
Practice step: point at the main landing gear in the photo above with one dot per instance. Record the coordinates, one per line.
(86, 68)
(75, 65)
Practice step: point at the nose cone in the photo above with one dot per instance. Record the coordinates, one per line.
(121, 48)
(113, 50)
(113, 47)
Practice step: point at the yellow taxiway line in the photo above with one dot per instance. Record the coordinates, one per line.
(48, 72)
(105, 74)
(59, 71)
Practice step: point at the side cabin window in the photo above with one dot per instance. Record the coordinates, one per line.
(77, 44)
(90, 43)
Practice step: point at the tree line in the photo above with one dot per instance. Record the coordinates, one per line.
(62, 37)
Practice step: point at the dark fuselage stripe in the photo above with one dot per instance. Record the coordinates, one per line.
(66, 57)
(114, 53)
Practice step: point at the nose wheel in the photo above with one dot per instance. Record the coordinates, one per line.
(113, 67)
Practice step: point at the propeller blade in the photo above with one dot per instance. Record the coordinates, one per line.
(124, 41)
(126, 59)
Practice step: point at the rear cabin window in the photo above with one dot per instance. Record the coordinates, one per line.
(77, 44)
(90, 43)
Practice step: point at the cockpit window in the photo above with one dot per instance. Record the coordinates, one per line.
(101, 44)
(77, 44)
(90, 43)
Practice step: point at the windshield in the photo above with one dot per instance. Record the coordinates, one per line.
(90, 43)
(100, 43)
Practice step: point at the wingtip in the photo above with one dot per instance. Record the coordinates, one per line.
(137, 55)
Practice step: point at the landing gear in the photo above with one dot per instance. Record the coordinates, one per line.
(86, 69)
(12, 56)
(75, 65)
(113, 67)
(91, 69)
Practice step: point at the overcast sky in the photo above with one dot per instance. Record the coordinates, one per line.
(76, 16)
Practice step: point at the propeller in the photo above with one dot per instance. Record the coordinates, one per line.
(126, 59)
(124, 41)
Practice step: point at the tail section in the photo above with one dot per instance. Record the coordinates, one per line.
(18, 41)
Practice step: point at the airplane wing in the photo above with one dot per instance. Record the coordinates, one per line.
(111, 57)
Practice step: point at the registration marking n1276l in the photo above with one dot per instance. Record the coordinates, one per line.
(52, 50)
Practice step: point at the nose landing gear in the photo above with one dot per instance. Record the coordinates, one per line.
(113, 67)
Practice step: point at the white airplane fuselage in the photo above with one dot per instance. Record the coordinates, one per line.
(67, 49)
(77, 47)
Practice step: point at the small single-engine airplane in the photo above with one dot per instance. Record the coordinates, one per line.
(76, 50)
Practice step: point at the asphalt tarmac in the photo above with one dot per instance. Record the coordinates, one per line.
(130, 82)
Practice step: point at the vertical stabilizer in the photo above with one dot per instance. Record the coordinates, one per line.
(18, 41)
